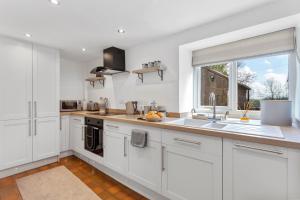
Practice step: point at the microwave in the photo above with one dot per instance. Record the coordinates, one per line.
(70, 105)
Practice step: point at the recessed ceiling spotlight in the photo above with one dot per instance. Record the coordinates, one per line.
(54, 2)
(120, 30)
(28, 35)
(83, 49)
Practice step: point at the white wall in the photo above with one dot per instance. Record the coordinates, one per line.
(125, 87)
(297, 95)
(121, 88)
(72, 76)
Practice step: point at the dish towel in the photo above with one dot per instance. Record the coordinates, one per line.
(139, 138)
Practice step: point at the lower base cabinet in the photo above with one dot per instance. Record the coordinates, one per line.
(144, 164)
(15, 143)
(184, 166)
(64, 134)
(256, 172)
(77, 134)
(46, 138)
(25, 141)
(190, 175)
(115, 151)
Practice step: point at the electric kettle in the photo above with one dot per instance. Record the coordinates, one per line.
(131, 107)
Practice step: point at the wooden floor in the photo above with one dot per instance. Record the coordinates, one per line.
(104, 186)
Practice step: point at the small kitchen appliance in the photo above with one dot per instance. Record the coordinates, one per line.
(70, 105)
(92, 106)
(131, 107)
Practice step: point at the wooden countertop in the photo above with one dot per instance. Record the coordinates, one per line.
(291, 135)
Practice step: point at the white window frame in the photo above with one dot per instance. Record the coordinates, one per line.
(233, 90)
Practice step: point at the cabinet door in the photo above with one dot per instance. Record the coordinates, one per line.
(15, 79)
(115, 151)
(46, 138)
(139, 167)
(64, 134)
(77, 135)
(254, 172)
(15, 143)
(191, 175)
(45, 82)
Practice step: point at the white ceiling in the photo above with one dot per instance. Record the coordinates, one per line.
(93, 24)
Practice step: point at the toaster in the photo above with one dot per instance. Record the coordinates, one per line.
(92, 106)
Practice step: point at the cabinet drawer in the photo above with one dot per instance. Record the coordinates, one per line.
(77, 120)
(113, 126)
(205, 144)
(154, 134)
(258, 148)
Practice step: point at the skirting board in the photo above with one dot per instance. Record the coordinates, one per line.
(122, 179)
(26, 167)
(66, 153)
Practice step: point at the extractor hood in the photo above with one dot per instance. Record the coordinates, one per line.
(114, 62)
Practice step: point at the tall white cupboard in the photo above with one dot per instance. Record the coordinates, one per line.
(29, 102)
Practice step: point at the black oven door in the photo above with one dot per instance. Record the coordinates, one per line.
(94, 140)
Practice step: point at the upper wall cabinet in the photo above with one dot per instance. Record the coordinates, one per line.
(15, 79)
(29, 80)
(45, 81)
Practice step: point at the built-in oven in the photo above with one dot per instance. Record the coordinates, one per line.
(70, 105)
(93, 140)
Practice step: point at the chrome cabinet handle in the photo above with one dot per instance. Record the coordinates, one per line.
(83, 127)
(35, 109)
(125, 141)
(77, 120)
(111, 126)
(29, 109)
(35, 131)
(29, 128)
(163, 158)
(82, 132)
(187, 141)
(60, 123)
(258, 149)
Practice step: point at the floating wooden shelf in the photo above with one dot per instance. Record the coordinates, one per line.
(112, 72)
(141, 72)
(92, 80)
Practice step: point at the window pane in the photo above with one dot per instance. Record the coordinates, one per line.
(262, 78)
(215, 78)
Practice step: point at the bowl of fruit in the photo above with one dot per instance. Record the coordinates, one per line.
(154, 116)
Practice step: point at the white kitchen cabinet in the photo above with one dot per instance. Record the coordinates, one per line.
(77, 134)
(115, 151)
(45, 138)
(15, 79)
(64, 133)
(254, 172)
(144, 164)
(15, 143)
(190, 170)
(45, 81)
(29, 88)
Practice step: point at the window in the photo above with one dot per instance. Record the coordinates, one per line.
(243, 83)
(215, 78)
(262, 78)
